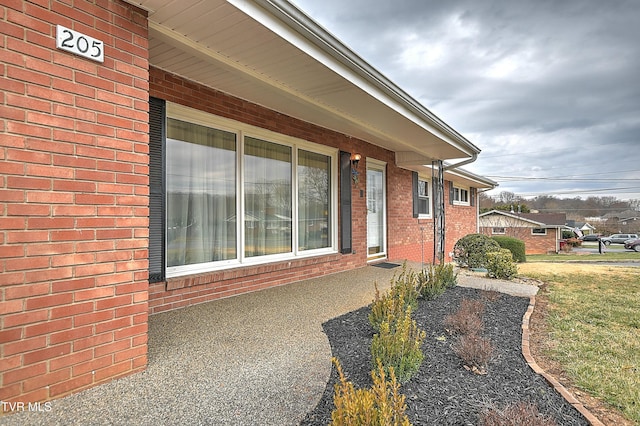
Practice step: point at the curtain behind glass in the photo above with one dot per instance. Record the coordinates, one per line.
(267, 188)
(201, 194)
(313, 200)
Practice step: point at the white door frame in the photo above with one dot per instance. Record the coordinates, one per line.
(381, 167)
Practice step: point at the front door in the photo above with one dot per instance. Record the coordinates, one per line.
(376, 210)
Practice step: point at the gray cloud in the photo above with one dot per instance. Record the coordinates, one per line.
(544, 88)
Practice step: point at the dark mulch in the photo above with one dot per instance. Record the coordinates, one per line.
(442, 392)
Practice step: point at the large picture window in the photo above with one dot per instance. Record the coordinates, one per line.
(237, 194)
(201, 194)
(267, 195)
(314, 196)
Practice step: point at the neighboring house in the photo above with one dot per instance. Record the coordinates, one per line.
(584, 227)
(130, 151)
(541, 232)
(630, 221)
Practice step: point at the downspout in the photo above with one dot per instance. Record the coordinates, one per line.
(473, 158)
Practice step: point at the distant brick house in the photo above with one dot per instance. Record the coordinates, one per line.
(158, 154)
(541, 232)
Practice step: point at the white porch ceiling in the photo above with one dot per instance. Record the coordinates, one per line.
(270, 53)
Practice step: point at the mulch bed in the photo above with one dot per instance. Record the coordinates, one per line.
(443, 392)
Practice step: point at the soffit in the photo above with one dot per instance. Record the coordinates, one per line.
(249, 52)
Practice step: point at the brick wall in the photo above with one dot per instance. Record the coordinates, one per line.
(411, 238)
(183, 291)
(73, 199)
(533, 244)
(459, 221)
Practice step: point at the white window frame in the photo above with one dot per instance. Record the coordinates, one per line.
(241, 130)
(544, 231)
(428, 198)
(457, 192)
(498, 230)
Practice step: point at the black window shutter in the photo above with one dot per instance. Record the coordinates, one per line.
(414, 190)
(156, 189)
(345, 203)
(450, 192)
(473, 196)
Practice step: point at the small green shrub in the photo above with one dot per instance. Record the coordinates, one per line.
(405, 285)
(500, 265)
(514, 245)
(398, 345)
(385, 308)
(403, 293)
(471, 250)
(435, 279)
(428, 285)
(445, 273)
(382, 405)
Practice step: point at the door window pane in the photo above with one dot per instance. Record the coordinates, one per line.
(313, 200)
(375, 212)
(267, 186)
(201, 194)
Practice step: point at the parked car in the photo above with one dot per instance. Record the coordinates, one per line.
(590, 237)
(618, 238)
(633, 244)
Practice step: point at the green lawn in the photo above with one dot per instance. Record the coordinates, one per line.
(608, 256)
(594, 324)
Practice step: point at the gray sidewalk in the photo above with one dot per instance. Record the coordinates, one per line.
(255, 359)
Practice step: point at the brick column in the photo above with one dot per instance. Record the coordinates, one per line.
(73, 199)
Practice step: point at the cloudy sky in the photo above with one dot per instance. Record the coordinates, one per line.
(549, 90)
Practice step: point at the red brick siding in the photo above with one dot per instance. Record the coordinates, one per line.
(73, 199)
(412, 239)
(460, 220)
(533, 244)
(183, 291)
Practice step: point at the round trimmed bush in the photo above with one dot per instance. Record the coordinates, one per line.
(514, 245)
(471, 250)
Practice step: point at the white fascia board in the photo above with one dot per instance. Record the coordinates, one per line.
(299, 29)
(515, 216)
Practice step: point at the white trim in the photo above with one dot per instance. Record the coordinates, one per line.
(539, 233)
(380, 166)
(460, 189)
(429, 197)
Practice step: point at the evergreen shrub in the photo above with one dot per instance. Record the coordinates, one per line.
(382, 405)
(398, 344)
(435, 279)
(471, 250)
(514, 245)
(403, 293)
(500, 265)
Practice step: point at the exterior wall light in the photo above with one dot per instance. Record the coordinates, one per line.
(355, 159)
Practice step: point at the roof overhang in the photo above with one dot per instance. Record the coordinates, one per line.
(514, 216)
(270, 53)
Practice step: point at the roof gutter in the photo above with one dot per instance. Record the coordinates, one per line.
(474, 157)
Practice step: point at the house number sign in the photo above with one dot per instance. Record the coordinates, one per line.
(80, 44)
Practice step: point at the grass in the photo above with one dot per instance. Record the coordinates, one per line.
(589, 257)
(594, 324)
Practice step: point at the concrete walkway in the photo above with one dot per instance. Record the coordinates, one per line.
(255, 359)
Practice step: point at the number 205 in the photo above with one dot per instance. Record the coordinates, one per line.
(80, 44)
